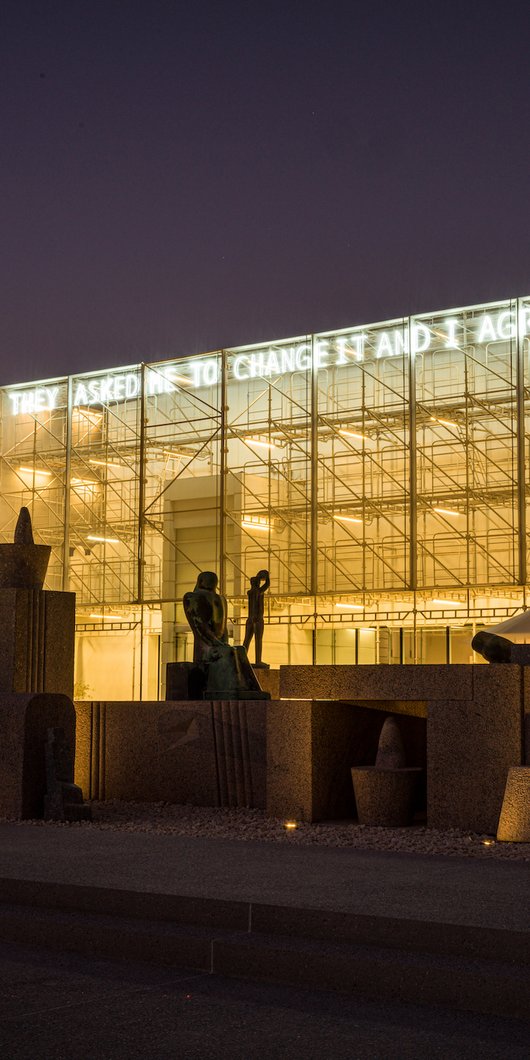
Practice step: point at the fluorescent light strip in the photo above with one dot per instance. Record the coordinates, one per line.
(347, 519)
(104, 463)
(447, 511)
(108, 540)
(247, 524)
(34, 471)
(350, 607)
(257, 441)
(444, 423)
(109, 618)
(352, 434)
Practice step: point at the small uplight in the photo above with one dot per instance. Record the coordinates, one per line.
(290, 826)
(488, 842)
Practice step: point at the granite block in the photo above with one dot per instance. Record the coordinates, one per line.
(289, 760)
(377, 682)
(199, 752)
(37, 646)
(24, 723)
(470, 747)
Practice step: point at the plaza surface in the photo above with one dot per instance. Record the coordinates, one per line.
(65, 1007)
(459, 891)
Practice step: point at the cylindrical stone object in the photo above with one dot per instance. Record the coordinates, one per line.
(385, 797)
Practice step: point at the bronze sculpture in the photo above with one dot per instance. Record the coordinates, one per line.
(255, 622)
(227, 671)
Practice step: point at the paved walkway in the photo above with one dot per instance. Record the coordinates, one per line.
(451, 890)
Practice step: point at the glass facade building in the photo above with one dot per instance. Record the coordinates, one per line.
(377, 472)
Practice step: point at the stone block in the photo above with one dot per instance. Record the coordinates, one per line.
(269, 681)
(377, 682)
(514, 821)
(37, 645)
(311, 747)
(24, 724)
(471, 744)
(199, 752)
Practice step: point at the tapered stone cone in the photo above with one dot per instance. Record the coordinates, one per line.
(23, 564)
(385, 793)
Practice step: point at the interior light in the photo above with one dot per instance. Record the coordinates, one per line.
(447, 603)
(249, 523)
(108, 540)
(109, 618)
(104, 463)
(34, 471)
(352, 434)
(444, 423)
(260, 442)
(351, 607)
(346, 518)
(446, 511)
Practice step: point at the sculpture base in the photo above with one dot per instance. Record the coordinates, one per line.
(260, 666)
(37, 644)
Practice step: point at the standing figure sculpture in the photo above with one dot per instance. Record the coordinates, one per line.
(255, 622)
(227, 671)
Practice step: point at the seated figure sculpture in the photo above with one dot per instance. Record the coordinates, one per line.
(227, 670)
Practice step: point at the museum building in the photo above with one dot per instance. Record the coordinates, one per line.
(378, 473)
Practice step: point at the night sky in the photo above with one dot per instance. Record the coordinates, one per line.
(177, 177)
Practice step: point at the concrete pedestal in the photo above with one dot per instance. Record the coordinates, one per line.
(37, 642)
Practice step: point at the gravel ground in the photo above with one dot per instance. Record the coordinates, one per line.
(167, 819)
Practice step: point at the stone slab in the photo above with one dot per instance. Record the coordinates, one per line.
(24, 721)
(377, 682)
(470, 747)
(37, 644)
(199, 752)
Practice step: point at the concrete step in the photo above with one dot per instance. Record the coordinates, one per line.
(426, 962)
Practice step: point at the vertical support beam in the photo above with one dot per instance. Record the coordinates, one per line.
(141, 528)
(413, 506)
(223, 470)
(67, 473)
(313, 577)
(521, 469)
(141, 494)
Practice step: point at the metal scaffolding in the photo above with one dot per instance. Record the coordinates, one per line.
(379, 473)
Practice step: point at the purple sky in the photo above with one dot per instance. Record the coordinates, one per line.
(176, 177)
